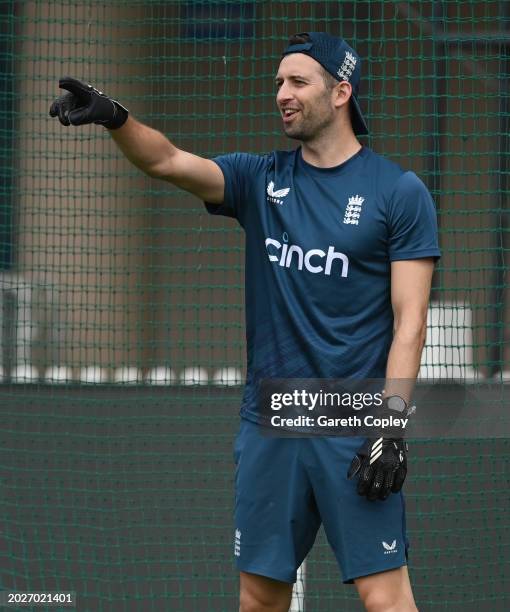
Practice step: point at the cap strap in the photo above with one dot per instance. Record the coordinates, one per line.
(299, 47)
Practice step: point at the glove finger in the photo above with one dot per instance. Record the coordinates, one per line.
(54, 109)
(398, 481)
(376, 486)
(354, 467)
(63, 111)
(387, 485)
(60, 108)
(365, 479)
(80, 116)
(78, 88)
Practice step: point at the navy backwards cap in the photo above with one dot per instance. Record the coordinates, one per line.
(341, 61)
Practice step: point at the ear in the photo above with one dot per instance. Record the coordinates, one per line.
(342, 93)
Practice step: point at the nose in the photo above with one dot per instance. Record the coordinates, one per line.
(284, 94)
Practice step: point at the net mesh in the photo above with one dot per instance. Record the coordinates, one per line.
(121, 318)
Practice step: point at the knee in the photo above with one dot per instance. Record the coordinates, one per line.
(262, 594)
(381, 600)
(249, 602)
(252, 602)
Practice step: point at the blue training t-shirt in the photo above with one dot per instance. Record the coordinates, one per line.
(319, 243)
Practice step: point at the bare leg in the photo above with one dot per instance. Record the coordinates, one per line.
(387, 591)
(261, 594)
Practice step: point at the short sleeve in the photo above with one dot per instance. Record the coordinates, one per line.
(412, 221)
(240, 170)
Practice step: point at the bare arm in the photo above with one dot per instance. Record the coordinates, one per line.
(410, 290)
(155, 155)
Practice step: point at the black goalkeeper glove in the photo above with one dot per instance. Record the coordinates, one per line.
(382, 467)
(85, 104)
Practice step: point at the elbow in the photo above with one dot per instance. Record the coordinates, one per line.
(150, 173)
(412, 334)
(162, 169)
(154, 172)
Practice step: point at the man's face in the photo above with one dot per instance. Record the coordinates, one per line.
(304, 101)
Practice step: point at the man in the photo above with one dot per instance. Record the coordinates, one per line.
(340, 250)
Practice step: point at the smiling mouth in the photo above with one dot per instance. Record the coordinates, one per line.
(288, 114)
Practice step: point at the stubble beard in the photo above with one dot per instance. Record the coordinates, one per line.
(310, 127)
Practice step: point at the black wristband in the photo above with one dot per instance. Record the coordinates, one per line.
(120, 116)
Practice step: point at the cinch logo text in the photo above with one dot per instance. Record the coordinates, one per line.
(288, 255)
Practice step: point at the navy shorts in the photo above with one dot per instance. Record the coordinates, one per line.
(287, 487)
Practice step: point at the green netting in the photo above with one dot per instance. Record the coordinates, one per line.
(122, 491)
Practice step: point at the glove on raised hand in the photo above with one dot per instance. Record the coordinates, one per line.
(85, 104)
